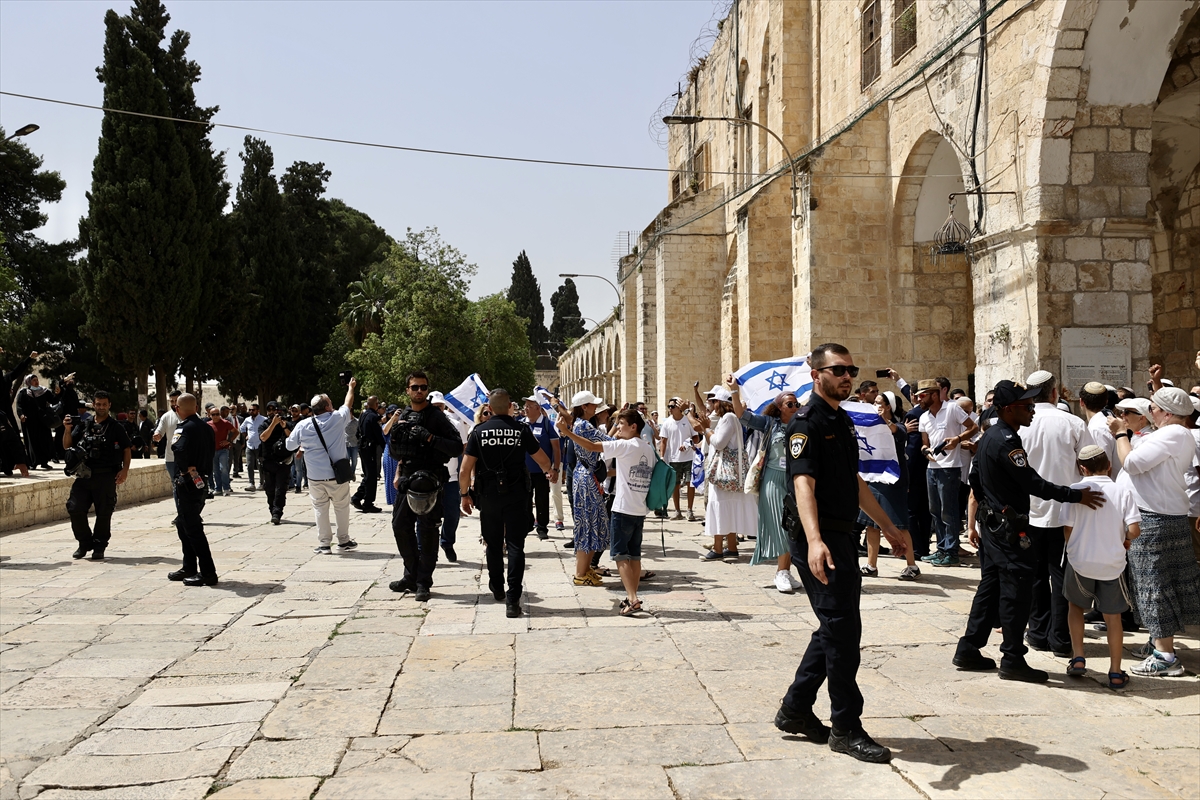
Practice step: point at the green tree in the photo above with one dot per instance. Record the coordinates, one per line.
(266, 257)
(500, 346)
(566, 324)
(364, 310)
(148, 234)
(526, 295)
(359, 245)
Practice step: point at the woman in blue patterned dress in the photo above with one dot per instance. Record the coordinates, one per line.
(389, 463)
(587, 501)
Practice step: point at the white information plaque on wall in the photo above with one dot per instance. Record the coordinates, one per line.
(1095, 354)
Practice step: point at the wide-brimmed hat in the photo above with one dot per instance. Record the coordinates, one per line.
(927, 386)
(583, 398)
(437, 397)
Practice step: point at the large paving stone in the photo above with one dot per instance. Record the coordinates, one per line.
(400, 625)
(461, 653)
(172, 717)
(339, 673)
(287, 759)
(81, 771)
(308, 713)
(269, 789)
(597, 650)
(647, 783)
(49, 692)
(211, 695)
(411, 721)
(27, 732)
(996, 772)
(191, 789)
(613, 699)
(107, 667)
(441, 690)
(828, 775)
(658, 745)
(418, 786)
(367, 645)
(36, 655)
(476, 752)
(143, 742)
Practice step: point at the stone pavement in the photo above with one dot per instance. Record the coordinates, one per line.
(304, 676)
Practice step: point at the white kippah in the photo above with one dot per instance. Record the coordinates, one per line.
(1038, 378)
(1089, 452)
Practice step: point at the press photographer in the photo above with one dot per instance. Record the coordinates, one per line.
(98, 453)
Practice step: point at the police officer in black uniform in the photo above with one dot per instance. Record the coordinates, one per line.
(275, 460)
(370, 452)
(824, 497)
(193, 446)
(422, 441)
(495, 454)
(106, 453)
(1001, 482)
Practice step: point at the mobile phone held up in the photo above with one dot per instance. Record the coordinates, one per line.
(881, 373)
(344, 377)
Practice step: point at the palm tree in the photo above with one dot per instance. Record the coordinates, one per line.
(363, 312)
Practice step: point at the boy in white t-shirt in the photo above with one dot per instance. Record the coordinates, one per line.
(1094, 575)
(635, 458)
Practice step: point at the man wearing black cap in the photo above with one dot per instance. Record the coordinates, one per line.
(1002, 481)
(274, 459)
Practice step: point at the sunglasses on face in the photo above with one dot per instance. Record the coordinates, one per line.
(791, 404)
(485, 413)
(839, 370)
(419, 387)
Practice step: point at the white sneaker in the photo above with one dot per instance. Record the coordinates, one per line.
(792, 579)
(1155, 666)
(783, 582)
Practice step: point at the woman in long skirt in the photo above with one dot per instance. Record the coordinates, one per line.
(730, 510)
(587, 501)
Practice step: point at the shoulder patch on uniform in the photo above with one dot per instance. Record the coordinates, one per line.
(804, 411)
(1018, 458)
(796, 444)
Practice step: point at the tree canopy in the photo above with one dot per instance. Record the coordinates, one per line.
(526, 296)
(567, 324)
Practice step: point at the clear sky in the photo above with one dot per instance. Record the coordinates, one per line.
(572, 81)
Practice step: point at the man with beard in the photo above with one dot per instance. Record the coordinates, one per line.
(274, 460)
(106, 454)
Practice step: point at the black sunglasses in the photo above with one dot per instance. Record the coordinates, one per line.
(791, 404)
(839, 370)
(419, 387)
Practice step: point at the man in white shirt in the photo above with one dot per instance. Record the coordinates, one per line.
(165, 429)
(944, 426)
(249, 428)
(1052, 441)
(323, 487)
(1093, 399)
(677, 443)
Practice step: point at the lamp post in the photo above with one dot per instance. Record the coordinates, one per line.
(587, 319)
(691, 119)
(24, 130)
(601, 277)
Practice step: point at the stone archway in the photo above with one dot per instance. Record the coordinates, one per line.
(932, 312)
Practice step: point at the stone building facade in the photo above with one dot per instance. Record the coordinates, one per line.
(1079, 119)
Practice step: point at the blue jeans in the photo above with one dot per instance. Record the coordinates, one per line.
(450, 511)
(221, 470)
(299, 473)
(943, 506)
(352, 454)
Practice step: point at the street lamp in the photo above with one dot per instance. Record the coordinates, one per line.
(24, 130)
(691, 119)
(601, 277)
(588, 319)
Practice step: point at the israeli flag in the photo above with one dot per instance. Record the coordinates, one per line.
(468, 397)
(543, 395)
(762, 381)
(877, 461)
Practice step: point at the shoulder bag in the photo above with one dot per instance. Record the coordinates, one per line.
(342, 470)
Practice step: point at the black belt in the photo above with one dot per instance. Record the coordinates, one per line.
(837, 525)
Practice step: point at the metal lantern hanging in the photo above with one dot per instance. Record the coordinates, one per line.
(952, 237)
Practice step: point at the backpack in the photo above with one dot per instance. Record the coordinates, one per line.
(662, 484)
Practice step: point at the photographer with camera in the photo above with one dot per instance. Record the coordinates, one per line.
(98, 454)
(495, 455)
(370, 450)
(274, 459)
(1002, 481)
(194, 445)
(422, 441)
(322, 436)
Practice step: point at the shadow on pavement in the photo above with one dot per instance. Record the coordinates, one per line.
(8, 563)
(965, 759)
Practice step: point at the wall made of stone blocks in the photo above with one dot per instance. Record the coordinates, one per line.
(44, 499)
(1175, 333)
(690, 271)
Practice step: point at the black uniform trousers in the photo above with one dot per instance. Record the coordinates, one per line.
(417, 539)
(275, 479)
(504, 523)
(190, 526)
(541, 500)
(834, 652)
(1006, 585)
(919, 520)
(99, 490)
(372, 463)
(1048, 614)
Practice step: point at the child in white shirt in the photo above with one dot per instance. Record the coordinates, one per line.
(1094, 575)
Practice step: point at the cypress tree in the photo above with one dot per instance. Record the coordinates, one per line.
(526, 295)
(566, 323)
(146, 233)
(306, 214)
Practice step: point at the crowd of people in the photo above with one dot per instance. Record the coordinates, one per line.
(1073, 518)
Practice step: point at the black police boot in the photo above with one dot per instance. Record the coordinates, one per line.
(451, 556)
(512, 609)
(179, 575)
(356, 502)
(860, 745)
(1024, 673)
(80, 552)
(403, 585)
(200, 580)
(499, 595)
(98, 554)
(801, 723)
(422, 594)
(973, 661)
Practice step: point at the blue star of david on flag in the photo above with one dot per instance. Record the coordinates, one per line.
(467, 397)
(761, 381)
(877, 461)
(777, 380)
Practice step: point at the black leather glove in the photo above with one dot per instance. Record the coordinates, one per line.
(419, 433)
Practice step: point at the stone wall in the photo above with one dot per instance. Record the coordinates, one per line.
(43, 498)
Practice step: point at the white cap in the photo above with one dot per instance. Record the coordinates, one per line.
(437, 397)
(1166, 382)
(1038, 378)
(1110, 388)
(721, 393)
(1138, 405)
(583, 398)
(715, 390)
(1173, 401)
